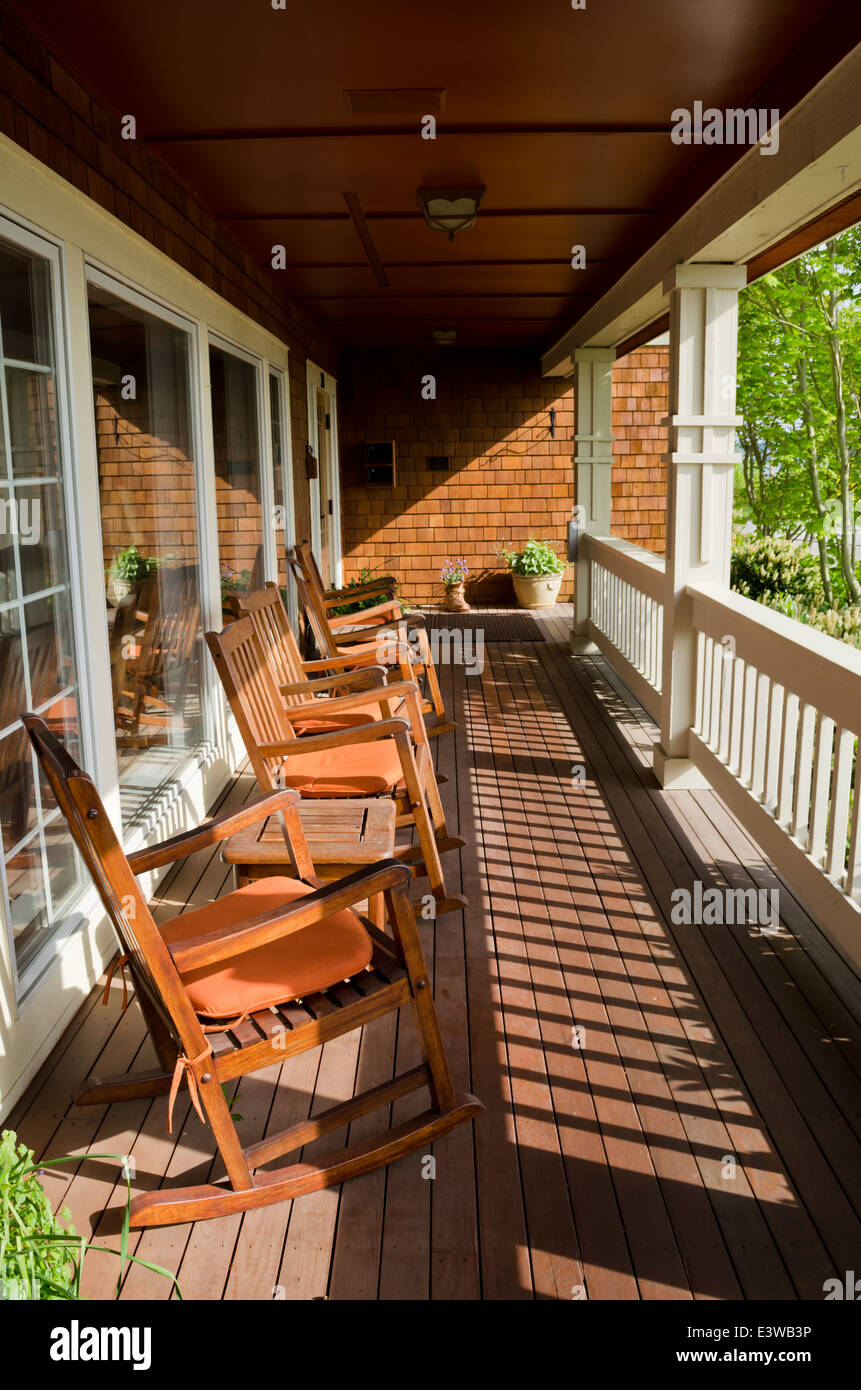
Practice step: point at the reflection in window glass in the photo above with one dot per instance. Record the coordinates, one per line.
(279, 465)
(142, 397)
(40, 874)
(237, 474)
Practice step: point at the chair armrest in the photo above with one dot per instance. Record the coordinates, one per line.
(334, 663)
(392, 607)
(376, 675)
(385, 587)
(340, 738)
(378, 696)
(271, 926)
(211, 832)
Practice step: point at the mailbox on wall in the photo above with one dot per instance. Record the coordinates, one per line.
(380, 463)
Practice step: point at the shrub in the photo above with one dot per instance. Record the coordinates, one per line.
(769, 567)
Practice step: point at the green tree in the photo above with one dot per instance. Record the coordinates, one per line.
(799, 384)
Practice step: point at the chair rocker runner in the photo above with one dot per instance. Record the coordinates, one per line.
(376, 758)
(245, 982)
(387, 641)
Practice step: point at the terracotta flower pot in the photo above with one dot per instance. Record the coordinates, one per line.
(537, 590)
(454, 601)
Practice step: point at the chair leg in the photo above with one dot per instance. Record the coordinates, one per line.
(421, 819)
(430, 1039)
(224, 1129)
(430, 673)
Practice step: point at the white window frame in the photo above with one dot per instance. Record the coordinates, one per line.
(51, 250)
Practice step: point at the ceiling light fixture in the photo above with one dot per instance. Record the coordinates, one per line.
(444, 337)
(449, 209)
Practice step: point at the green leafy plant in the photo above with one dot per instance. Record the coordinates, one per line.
(131, 566)
(41, 1256)
(535, 558)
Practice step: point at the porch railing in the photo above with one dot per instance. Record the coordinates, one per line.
(626, 612)
(777, 730)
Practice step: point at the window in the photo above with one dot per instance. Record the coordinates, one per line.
(40, 874)
(142, 395)
(236, 434)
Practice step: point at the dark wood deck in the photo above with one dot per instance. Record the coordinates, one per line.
(699, 1137)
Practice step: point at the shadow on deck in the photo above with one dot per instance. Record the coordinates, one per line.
(671, 1111)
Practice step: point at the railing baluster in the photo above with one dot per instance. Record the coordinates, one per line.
(844, 749)
(773, 742)
(760, 735)
(738, 678)
(788, 743)
(853, 871)
(718, 688)
(803, 773)
(821, 788)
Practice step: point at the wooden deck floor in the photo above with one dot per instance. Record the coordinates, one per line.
(697, 1136)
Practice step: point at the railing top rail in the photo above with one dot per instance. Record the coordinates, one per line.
(819, 669)
(641, 568)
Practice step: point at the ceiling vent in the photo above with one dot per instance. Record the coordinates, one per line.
(418, 101)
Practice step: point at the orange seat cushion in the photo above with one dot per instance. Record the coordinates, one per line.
(359, 769)
(302, 963)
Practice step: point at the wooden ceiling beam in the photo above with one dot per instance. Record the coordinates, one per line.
(340, 132)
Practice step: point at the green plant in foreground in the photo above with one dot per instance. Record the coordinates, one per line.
(41, 1256)
(535, 558)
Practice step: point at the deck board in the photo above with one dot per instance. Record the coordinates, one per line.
(597, 1169)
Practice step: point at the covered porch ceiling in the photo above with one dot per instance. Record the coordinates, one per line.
(306, 132)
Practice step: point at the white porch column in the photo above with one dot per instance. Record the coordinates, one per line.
(593, 466)
(701, 425)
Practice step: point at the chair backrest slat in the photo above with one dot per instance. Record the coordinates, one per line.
(252, 694)
(312, 600)
(266, 610)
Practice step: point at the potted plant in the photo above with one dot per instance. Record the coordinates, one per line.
(128, 569)
(453, 575)
(537, 572)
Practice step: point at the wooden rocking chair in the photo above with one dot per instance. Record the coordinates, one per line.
(376, 758)
(387, 641)
(298, 680)
(265, 973)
